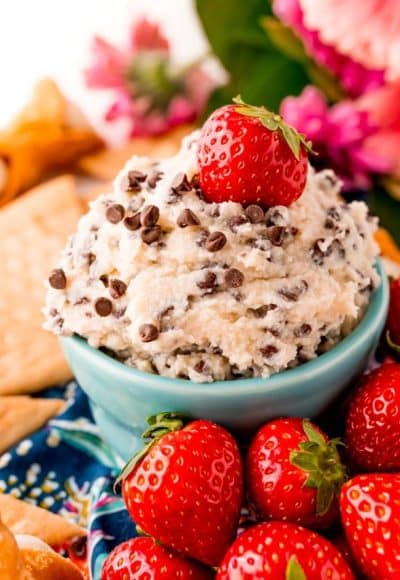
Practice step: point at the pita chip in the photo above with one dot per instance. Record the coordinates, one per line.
(21, 416)
(24, 518)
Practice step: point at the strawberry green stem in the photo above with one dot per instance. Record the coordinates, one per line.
(159, 425)
(274, 122)
(320, 459)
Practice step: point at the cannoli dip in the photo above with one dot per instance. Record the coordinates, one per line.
(171, 284)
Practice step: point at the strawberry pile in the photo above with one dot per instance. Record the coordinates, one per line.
(312, 516)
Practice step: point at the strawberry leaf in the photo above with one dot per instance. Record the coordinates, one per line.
(320, 460)
(325, 494)
(312, 434)
(294, 571)
(159, 425)
(274, 122)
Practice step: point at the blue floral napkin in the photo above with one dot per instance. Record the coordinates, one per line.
(68, 469)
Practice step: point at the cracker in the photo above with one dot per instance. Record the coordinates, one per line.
(33, 230)
(106, 164)
(24, 518)
(20, 416)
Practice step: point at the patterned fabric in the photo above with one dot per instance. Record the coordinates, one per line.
(68, 469)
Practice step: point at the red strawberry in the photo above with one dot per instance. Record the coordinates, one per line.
(144, 558)
(373, 421)
(278, 550)
(295, 472)
(250, 155)
(187, 489)
(370, 511)
(393, 323)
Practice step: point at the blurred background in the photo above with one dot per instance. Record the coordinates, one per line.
(47, 38)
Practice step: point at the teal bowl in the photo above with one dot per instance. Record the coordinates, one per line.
(122, 397)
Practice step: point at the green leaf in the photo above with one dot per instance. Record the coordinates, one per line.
(257, 68)
(274, 122)
(312, 434)
(325, 493)
(305, 461)
(294, 571)
(284, 38)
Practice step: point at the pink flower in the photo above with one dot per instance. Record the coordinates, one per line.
(368, 31)
(149, 93)
(339, 135)
(354, 77)
(383, 107)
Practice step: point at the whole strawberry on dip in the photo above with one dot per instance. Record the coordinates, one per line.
(233, 258)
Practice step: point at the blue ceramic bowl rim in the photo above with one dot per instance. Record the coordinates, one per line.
(283, 381)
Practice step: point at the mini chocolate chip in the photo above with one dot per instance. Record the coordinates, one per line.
(115, 213)
(82, 300)
(91, 258)
(195, 181)
(214, 211)
(276, 235)
(333, 213)
(149, 215)
(200, 366)
(262, 311)
(268, 350)
(318, 254)
(274, 217)
(117, 288)
(132, 222)
(135, 178)
(233, 278)
(294, 231)
(329, 224)
(180, 183)
(103, 306)
(148, 332)
(274, 331)
(235, 221)
(209, 281)
(293, 294)
(166, 311)
(58, 279)
(78, 546)
(303, 330)
(154, 178)
(215, 241)
(53, 312)
(255, 214)
(104, 278)
(151, 234)
(187, 218)
(199, 194)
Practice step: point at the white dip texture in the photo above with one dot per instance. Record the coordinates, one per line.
(171, 284)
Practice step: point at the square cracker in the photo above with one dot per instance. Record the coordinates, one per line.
(33, 230)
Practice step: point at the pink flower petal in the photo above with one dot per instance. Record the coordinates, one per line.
(368, 31)
(108, 67)
(146, 35)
